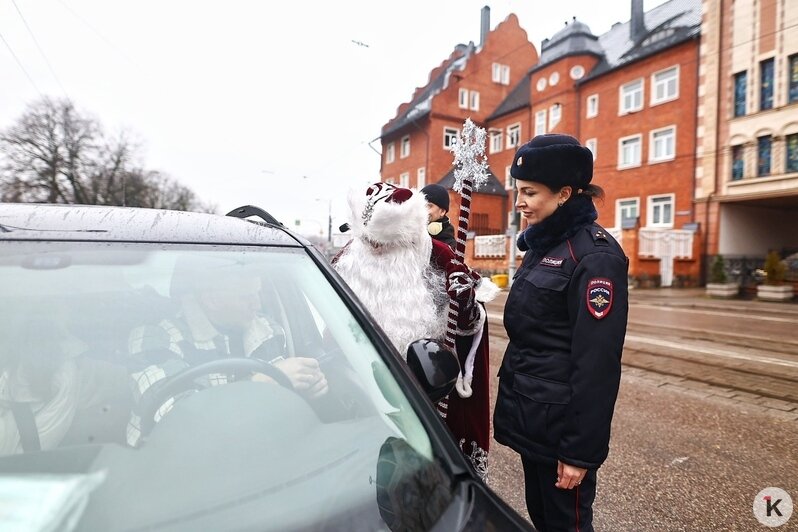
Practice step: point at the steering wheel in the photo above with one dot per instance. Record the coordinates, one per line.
(161, 391)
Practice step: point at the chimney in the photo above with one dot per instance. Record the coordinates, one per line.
(637, 26)
(484, 26)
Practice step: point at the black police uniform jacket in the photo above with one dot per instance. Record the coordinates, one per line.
(566, 320)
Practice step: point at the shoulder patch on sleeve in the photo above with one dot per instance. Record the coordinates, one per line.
(599, 297)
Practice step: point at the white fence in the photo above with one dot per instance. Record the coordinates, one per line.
(490, 246)
(676, 243)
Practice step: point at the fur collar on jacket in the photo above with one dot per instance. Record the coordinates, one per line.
(563, 223)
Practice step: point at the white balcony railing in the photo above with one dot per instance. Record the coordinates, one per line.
(490, 246)
(666, 243)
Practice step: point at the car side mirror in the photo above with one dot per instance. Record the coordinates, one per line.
(434, 366)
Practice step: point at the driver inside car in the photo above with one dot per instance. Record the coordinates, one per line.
(219, 317)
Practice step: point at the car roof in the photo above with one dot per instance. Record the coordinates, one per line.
(26, 221)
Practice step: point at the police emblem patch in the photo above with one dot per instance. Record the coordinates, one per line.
(599, 297)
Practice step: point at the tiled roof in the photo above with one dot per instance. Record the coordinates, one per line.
(492, 186)
(668, 24)
(575, 38)
(420, 106)
(517, 99)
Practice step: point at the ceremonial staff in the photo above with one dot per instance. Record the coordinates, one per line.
(471, 172)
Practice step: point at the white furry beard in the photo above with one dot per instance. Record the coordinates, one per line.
(402, 292)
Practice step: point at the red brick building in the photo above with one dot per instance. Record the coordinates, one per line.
(630, 95)
(472, 82)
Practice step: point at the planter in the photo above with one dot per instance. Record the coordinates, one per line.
(774, 292)
(723, 290)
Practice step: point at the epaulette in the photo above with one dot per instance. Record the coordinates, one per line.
(600, 237)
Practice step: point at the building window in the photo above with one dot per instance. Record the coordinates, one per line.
(766, 85)
(474, 101)
(660, 209)
(663, 144)
(626, 211)
(421, 177)
(463, 99)
(404, 151)
(496, 137)
(501, 74)
(404, 180)
(555, 114)
(792, 77)
(449, 136)
(508, 179)
(629, 151)
(665, 85)
(390, 180)
(738, 162)
(632, 97)
(513, 135)
(592, 145)
(390, 153)
(763, 152)
(740, 81)
(792, 153)
(592, 105)
(540, 122)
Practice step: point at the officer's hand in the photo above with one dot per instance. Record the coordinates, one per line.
(568, 476)
(305, 375)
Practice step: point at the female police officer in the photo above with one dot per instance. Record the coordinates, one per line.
(566, 319)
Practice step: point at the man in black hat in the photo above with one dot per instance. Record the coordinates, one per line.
(439, 227)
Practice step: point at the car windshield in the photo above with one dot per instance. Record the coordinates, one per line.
(138, 391)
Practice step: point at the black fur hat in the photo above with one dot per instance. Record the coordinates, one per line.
(554, 160)
(438, 195)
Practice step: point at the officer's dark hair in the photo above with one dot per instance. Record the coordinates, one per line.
(591, 190)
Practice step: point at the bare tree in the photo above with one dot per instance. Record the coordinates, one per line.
(54, 154)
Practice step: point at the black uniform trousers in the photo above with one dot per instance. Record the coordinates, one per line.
(558, 510)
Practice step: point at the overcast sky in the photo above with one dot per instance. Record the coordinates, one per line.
(253, 102)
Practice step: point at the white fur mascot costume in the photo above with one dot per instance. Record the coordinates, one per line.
(387, 264)
(406, 279)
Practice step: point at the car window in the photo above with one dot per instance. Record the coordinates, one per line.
(96, 340)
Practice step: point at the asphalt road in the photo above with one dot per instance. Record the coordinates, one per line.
(686, 454)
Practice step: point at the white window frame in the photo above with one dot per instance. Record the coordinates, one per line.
(390, 180)
(652, 145)
(621, 141)
(421, 177)
(508, 179)
(390, 153)
(462, 99)
(592, 145)
(514, 135)
(618, 209)
(500, 74)
(540, 122)
(592, 106)
(555, 115)
(449, 134)
(651, 200)
(626, 90)
(404, 150)
(496, 140)
(473, 101)
(656, 84)
(404, 180)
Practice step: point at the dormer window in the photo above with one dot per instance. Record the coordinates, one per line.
(658, 36)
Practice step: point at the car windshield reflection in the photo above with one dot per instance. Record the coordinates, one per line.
(150, 386)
